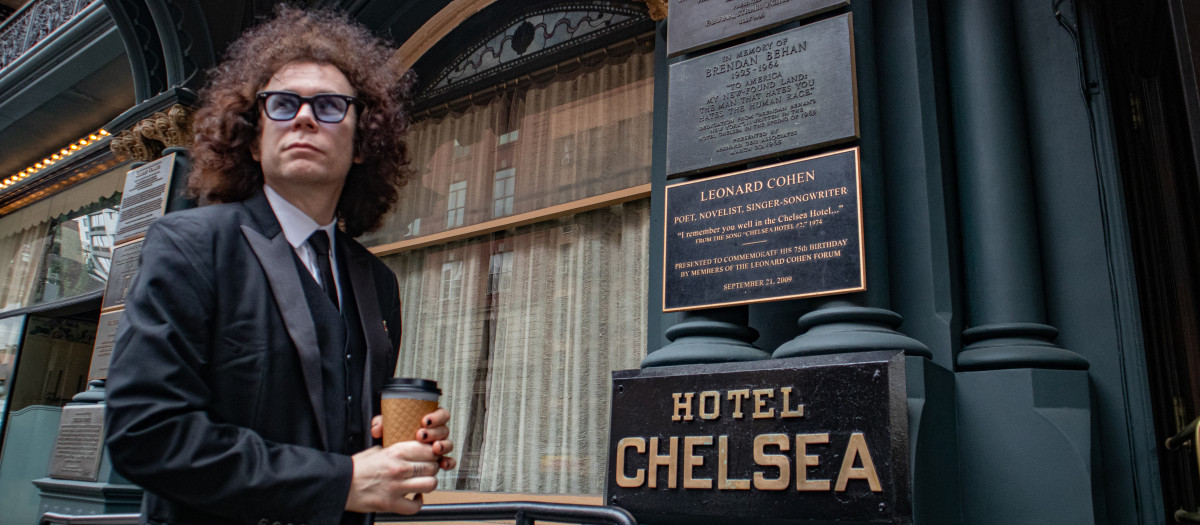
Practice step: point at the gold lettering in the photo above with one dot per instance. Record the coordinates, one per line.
(857, 448)
(737, 396)
(779, 461)
(670, 461)
(759, 403)
(723, 480)
(804, 461)
(787, 401)
(686, 406)
(638, 444)
(691, 461)
(716, 404)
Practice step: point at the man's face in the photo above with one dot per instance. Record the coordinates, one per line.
(305, 154)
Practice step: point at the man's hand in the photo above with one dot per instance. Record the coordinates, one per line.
(384, 477)
(433, 431)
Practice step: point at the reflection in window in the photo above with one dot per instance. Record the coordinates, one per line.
(502, 192)
(456, 204)
(79, 254)
(522, 329)
(575, 134)
(10, 337)
(21, 255)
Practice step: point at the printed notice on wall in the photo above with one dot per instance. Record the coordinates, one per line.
(783, 231)
(144, 198)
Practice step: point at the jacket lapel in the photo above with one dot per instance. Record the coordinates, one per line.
(366, 297)
(277, 259)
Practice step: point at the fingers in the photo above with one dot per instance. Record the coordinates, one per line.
(383, 478)
(377, 427)
(437, 418)
(442, 447)
(429, 435)
(447, 463)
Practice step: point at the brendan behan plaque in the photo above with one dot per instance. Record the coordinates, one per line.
(784, 231)
(699, 23)
(788, 92)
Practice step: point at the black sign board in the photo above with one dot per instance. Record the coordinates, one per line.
(783, 231)
(799, 440)
(788, 92)
(699, 23)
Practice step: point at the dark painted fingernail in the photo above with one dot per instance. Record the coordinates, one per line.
(428, 421)
(424, 434)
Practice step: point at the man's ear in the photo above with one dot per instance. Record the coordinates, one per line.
(254, 150)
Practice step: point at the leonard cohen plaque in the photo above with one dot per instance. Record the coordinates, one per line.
(783, 231)
(80, 440)
(787, 92)
(813, 439)
(144, 198)
(698, 23)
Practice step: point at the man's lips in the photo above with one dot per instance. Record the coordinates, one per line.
(301, 146)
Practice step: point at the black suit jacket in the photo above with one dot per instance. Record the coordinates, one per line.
(214, 389)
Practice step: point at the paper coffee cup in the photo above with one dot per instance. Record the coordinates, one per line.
(404, 401)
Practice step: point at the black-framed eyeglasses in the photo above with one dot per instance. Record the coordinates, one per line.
(326, 107)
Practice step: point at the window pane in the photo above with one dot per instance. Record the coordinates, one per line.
(80, 251)
(521, 329)
(10, 338)
(582, 134)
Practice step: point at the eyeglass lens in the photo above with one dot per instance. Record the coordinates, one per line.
(329, 108)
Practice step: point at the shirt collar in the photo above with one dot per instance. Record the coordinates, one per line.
(297, 226)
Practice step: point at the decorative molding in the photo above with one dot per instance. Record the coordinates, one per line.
(33, 23)
(658, 9)
(145, 140)
(530, 39)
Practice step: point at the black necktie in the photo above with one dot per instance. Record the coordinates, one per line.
(319, 241)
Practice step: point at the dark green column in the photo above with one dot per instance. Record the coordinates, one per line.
(862, 321)
(1000, 240)
(1024, 409)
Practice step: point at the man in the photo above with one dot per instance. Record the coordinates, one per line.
(257, 334)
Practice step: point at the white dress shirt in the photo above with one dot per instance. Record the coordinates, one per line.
(297, 228)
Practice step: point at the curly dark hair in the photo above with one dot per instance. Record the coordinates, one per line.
(226, 125)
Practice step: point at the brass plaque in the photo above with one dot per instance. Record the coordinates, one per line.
(79, 444)
(144, 198)
(120, 274)
(106, 337)
(784, 231)
(789, 92)
(694, 24)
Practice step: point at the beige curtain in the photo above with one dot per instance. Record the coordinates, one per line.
(524, 353)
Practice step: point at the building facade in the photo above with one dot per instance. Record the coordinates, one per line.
(1027, 174)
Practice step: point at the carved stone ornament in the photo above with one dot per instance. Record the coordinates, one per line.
(146, 140)
(658, 9)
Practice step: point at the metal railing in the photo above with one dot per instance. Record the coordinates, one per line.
(522, 512)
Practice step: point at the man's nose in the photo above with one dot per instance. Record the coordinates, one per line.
(305, 116)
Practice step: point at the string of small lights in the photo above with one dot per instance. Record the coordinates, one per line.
(52, 159)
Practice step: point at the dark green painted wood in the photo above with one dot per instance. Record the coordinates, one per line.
(717, 335)
(1000, 237)
(843, 327)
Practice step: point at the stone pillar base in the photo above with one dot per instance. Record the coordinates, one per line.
(1025, 446)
